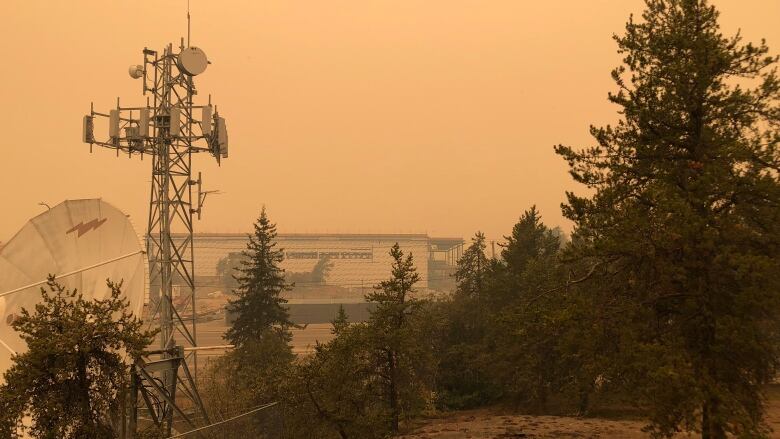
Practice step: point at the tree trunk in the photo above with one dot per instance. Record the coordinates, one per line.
(85, 406)
(584, 402)
(711, 427)
(394, 411)
(541, 395)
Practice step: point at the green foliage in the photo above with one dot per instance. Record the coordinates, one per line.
(680, 238)
(466, 359)
(79, 352)
(254, 373)
(247, 378)
(340, 322)
(529, 240)
(259, 306)
(505, 323)
(473, 269)
(336, 392)
(372, 376)
(395, 342)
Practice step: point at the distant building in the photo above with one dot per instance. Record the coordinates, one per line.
(357, 261)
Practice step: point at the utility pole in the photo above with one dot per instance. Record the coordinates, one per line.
(170, 128)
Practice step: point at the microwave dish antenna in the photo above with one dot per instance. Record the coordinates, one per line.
(136, 71)
(192, 61)
(81, 242)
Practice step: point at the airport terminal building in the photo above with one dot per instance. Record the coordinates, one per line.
(356, 261)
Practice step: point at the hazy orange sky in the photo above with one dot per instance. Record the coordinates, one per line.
(434, 116)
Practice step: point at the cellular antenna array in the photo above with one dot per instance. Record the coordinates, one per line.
(170, 129)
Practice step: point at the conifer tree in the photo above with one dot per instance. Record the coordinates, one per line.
(259, 307)
(335, 393)
(69, 380)
(340, 322)
(681, 234)
(473, 268)
(371, 375)
(530, 238)
(466, 355)
(393, 339)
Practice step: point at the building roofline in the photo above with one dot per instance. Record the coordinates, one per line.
(320, 235)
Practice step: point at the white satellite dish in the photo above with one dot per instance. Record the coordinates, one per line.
(193, 61)
(136, 71)
(83, 243)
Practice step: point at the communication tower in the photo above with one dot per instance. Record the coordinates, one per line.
(170, 129)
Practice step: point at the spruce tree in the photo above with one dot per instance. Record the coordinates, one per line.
(681, 233)
(259, 307)
(70, 378)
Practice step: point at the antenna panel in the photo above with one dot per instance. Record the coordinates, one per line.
(205, 120)
(143, 123)
(113, 124)
(222, 137)
(175, 124)
(87, 133)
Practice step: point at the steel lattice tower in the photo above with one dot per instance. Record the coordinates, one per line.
(169, 130)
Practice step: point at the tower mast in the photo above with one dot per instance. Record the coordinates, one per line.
(170, 129)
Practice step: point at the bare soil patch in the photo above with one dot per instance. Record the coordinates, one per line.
(491, 425)
(496, 424)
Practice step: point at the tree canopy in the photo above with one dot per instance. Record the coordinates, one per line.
(259, 306)
(69, 380)
(683, 219)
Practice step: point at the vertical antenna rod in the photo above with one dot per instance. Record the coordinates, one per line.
(188, 23)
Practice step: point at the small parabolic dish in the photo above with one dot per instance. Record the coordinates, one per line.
(136, 71)
(193, 61)
(81, 242)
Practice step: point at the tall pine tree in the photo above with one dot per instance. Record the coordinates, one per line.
(684, 220)
(259, 307)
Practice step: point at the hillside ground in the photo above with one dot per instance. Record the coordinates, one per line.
(500, 424)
